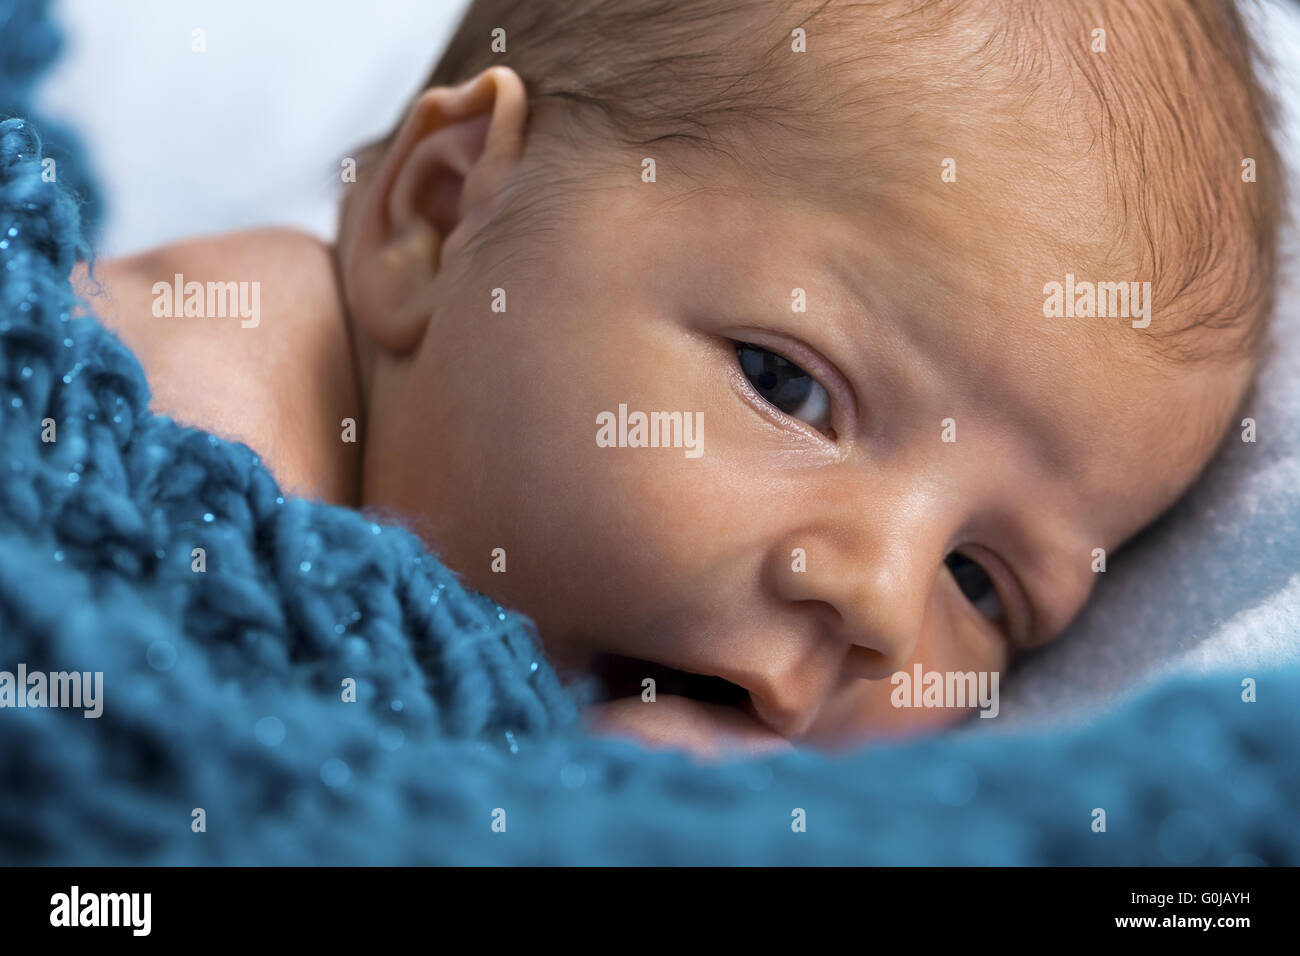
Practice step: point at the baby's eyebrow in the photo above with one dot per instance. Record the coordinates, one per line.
(1052, 545)
(1048, 441)
(930, 343)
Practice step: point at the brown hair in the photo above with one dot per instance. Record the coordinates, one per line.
(1174, 101)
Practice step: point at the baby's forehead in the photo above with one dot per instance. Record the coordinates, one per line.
(1033, 340)
(1081, 402)
(1072, 135)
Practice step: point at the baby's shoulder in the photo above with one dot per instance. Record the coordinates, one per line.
(240, 334)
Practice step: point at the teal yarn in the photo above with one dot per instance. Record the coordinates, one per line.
(224, 697)
(30, 42)
(296, 597)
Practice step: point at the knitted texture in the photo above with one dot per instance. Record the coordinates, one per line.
(223, 689)
(29, 44)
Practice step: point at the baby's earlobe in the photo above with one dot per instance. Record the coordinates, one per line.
(386, 286)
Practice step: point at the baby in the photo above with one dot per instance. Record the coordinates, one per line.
(780, 359)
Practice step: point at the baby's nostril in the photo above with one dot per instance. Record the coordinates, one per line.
(867, 663)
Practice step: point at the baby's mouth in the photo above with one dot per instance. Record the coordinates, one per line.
(708, 715)
(622, 677)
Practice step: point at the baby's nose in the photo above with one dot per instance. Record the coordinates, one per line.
(864, 627)
(881, 614)
(872, 606)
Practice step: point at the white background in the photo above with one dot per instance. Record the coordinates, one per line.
(250, 132)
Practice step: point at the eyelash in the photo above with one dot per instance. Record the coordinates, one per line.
(1003, 624)
(828, 392)
(1016, 624)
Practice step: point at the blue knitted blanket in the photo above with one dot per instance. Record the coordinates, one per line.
(326, 691)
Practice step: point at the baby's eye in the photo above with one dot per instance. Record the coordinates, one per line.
(976, 585)
(785, 385)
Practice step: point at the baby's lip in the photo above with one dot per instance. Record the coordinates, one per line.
(750, 707)
(706, 730)
(622, 676)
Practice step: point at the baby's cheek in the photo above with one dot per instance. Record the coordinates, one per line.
(866, 714)
(952, 682)
(645, 522)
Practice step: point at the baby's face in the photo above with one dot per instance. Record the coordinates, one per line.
(902, 463)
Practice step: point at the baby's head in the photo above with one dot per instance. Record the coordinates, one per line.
(804, 344)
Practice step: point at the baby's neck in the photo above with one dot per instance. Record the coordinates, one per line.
(278, 372)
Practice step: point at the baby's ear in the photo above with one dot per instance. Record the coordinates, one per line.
(440, 180)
